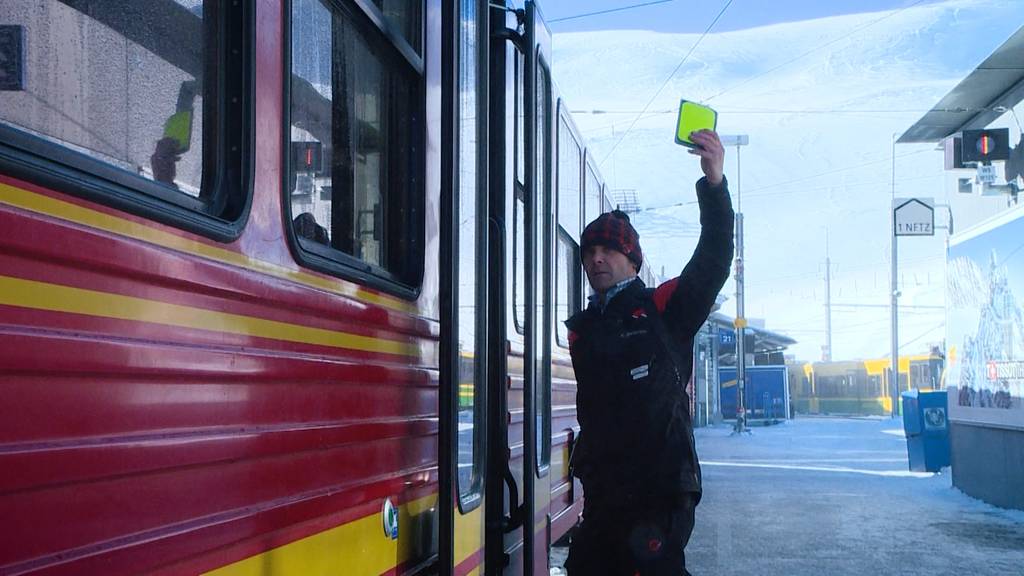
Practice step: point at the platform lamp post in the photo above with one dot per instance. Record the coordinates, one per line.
(894, 295)
(740, 323)
(910, 217)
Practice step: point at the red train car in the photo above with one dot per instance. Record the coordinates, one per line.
(281, 288)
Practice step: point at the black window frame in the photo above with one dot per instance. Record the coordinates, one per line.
(407, 284)
(222, 208)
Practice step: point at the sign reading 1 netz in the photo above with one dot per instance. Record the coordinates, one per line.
(913, 216)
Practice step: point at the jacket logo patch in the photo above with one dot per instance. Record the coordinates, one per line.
(639, 313)
(640, 372)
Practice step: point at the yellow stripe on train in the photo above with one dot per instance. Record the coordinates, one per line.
(57, 298)
(41, 204)
(360, 547)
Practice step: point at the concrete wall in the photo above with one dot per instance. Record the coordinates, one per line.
(988, 463)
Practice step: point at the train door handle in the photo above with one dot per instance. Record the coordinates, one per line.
(515, 36)
(515, 516)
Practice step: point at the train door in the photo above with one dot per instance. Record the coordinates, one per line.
(539, 121)
(521, 148)
(464, 289)
(503, 544)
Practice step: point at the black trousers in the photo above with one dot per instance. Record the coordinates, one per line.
(617, 539)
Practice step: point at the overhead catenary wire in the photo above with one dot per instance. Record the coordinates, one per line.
(812, 50)
(803, 190)
(1012, 254)
(667, 80)
(794, 111)
(847, 112)
(754, 193)
(767, 280)
(853, 113)
(834, 171)
(1017, 120)
(609, 11)
(922, 334)
(845, 329)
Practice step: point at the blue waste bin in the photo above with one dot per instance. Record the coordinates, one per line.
(926, 426)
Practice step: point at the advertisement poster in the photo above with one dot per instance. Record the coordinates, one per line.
(985, 323)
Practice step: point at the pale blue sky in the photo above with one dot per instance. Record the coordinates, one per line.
(696, 15)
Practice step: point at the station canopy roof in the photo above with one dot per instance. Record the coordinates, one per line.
(995, 86)
(764, 340)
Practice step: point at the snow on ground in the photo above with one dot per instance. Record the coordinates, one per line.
(833, 496)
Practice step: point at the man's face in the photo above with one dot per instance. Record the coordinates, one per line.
(606, 267)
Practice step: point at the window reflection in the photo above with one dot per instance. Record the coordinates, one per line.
(470, 253)
(353, 184)
(542, 382)
(405, 16)
(567, 290)
(122, 85)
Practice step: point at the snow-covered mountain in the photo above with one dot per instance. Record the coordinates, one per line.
(821, 101)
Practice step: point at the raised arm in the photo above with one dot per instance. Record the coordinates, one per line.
(686, 301)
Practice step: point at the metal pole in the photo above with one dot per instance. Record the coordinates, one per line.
(716, 410)
(708, 351)
(894, 371)
(741, 322)
(739, 179)
(741, 319)
(828, 303)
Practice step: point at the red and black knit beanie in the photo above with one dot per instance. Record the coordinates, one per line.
(613, 230)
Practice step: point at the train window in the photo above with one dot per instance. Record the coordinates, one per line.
(356, 128)
(570, 158)
(520, 112)
(592, 190)
(567, 288)
(519, 263)
(567, 274)
(542, 238)
(142, 106)
(406, 17)
(470, 299)
(519, 205)
(591, 201)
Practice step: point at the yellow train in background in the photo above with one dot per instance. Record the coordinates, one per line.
(859, 387)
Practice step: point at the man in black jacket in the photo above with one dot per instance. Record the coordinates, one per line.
(632, 354)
